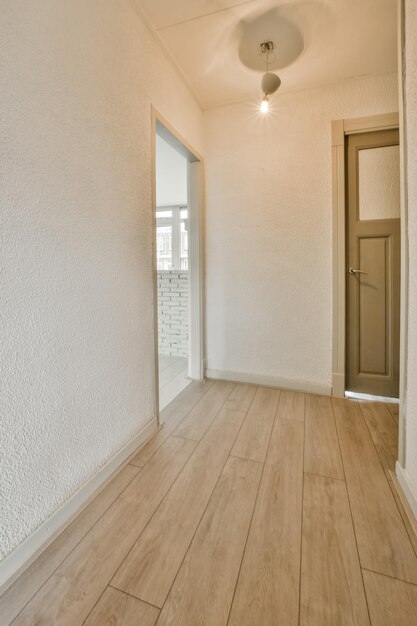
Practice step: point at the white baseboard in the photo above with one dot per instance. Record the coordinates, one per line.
(27, 551)
(271, 381)
(407, 487)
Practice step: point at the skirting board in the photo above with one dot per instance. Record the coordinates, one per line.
(27, 551)
(406, 486)
(338, 385)
(271, 381)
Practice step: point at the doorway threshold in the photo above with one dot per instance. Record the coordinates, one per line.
(370, 398)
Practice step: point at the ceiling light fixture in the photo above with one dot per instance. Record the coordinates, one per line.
(264, 104)
(270, 82)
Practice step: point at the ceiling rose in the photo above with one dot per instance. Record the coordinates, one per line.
(287, 39)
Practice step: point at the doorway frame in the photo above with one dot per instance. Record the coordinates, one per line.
(195, 200)
(339, 130)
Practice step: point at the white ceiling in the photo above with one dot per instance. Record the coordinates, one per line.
(207, 39)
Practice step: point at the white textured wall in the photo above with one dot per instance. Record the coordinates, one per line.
(411, 126)
(269, 212)
(78, 80)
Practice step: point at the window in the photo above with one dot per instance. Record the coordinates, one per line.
(172, 238)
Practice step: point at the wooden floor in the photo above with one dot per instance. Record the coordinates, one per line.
(173, 372)
(250, 507)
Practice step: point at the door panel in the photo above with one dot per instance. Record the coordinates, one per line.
(373, 298)
(373, 256)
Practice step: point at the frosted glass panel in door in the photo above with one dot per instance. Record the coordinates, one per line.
(379, 183)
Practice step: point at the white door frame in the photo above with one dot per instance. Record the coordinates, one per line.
(195, 201)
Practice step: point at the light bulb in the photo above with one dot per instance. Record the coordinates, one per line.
(264, 105)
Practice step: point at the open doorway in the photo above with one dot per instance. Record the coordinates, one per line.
(177, 206)
(365, 155)
(368, 268)
(172, 268)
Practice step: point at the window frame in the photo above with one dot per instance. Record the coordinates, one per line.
(175, 222)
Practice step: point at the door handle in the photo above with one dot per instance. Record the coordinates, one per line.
(352, 270)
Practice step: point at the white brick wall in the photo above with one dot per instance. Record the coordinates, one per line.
(173, 312)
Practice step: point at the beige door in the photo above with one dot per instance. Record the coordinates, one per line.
(373, 263)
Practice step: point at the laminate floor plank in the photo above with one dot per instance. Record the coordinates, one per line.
(391, 602)
(203, 590)
(407, 515)
(32, 579)
(394, 409)
(252, 441)
(322, 454)
(164, 361)
(291, 405)
(383, 543)
(331, 581)
(153, 562)
(173, 388)
(384, 432)
(171, 417)
(199, 419)
(71, 592)
(210, 537)
(179, 365)
(241, 397)
(172, 380)
(267, 591)
(118, 609)
(185, 401)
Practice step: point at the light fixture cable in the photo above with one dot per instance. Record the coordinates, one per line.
(270, 81)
